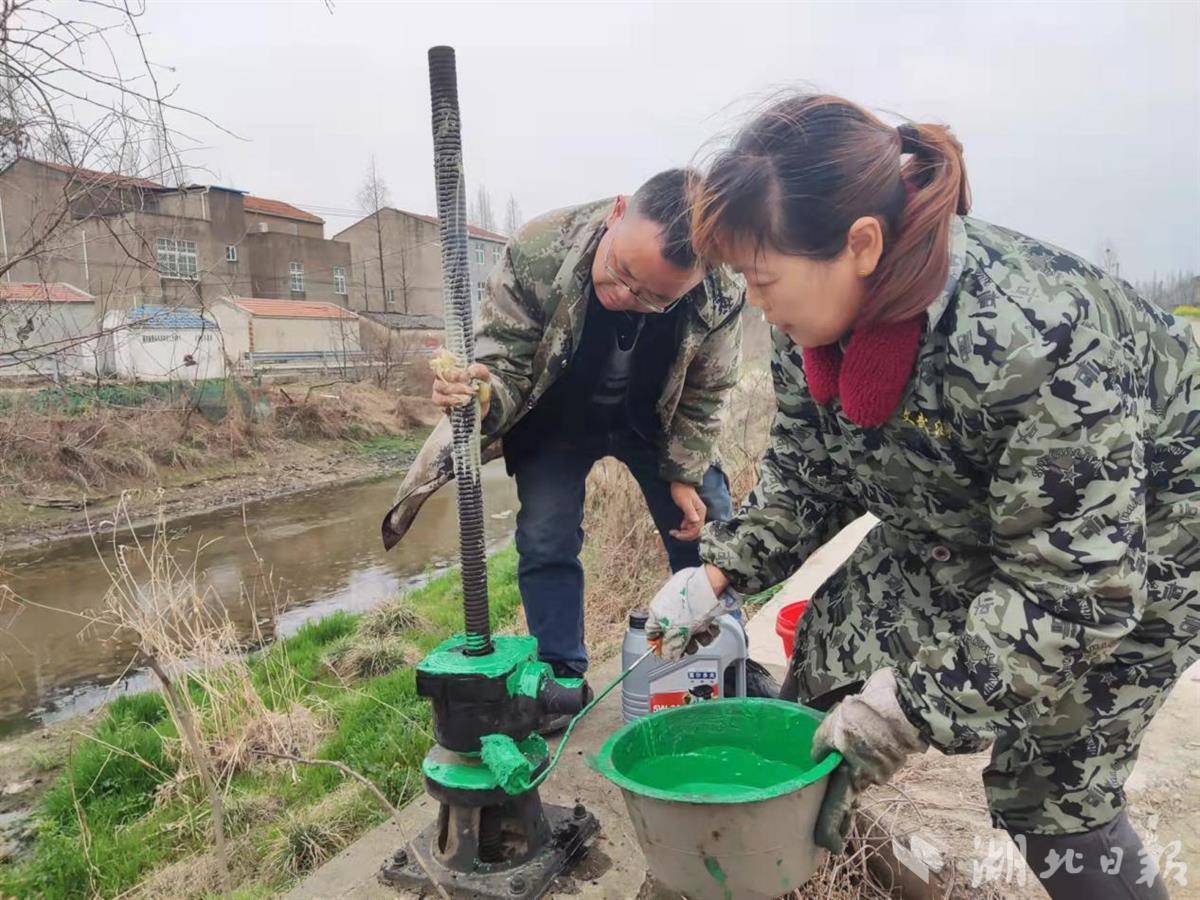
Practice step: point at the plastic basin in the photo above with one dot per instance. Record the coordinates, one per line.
(723, 795)
(785, 624)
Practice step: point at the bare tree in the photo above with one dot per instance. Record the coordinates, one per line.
(78, 91)
(481, 214)
(373, 196)
(1110, 260)
(402, 273)
(512, 216)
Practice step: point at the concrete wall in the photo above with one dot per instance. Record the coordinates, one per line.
(161, 354)
(280, 225)
(270, 256)
(64, 340)
(412, 263)
(277, 335)
(236, 330)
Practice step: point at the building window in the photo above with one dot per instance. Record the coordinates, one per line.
(479, 253)
(496, 253)
(297, 272)
(480, 289)
(389, 296)
(339, 280)
(231, 253)
(176, 259)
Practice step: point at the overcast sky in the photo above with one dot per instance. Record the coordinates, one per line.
(1081, 121)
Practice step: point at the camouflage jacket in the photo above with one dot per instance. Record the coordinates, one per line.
(530, 326)
(1040, 481)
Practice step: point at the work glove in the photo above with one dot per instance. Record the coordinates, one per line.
(875, 738)
(682, 614)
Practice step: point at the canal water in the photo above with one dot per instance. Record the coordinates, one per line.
(321, 548)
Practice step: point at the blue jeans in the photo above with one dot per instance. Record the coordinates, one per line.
(550, 486)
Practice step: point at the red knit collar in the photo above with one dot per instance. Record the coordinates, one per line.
(872, 373)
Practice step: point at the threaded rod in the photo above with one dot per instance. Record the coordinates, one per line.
(460, 339)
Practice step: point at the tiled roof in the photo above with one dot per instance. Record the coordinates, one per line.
(104, 177)
(472, 230)
(280, 209)
(170, 317)
(53, 292)
(292, 309)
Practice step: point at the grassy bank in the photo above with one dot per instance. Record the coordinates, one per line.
(127, 811)
(197, 446)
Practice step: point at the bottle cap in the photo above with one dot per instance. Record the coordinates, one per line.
(638, 618)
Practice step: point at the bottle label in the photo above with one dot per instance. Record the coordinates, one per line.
(699, 680)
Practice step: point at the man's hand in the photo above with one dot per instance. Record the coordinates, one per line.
(453, 386)
(683, 610)
(875, 739)
(693, 509)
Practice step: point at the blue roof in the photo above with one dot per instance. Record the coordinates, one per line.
(170, 317)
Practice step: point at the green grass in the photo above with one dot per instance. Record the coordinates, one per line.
(1190, 311)
(76, 400)
(380, 729)
(392, 447)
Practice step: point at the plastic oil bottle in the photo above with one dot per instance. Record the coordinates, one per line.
(718, 670)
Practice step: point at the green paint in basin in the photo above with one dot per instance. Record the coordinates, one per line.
(733, 771)
(724, 751)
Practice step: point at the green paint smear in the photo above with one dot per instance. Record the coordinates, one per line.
(527, 678)
(512, 768)
(718, 874)
(481, 776)
(725, 751)
(510, 651)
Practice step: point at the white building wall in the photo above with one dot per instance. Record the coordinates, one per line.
(62, 339)
(163, 354)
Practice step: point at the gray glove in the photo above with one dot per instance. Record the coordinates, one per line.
(683, 613)
(875, 738)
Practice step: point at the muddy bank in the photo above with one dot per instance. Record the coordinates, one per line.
(290, 470)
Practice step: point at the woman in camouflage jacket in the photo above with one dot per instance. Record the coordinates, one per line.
(1026, 429)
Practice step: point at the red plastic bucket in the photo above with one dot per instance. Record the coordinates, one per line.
(785, 624)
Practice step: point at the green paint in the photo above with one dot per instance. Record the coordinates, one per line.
(714, 770)
(718, 874)
(724, 751)
(508, 764)
(510, 651)
(527, 678)
(477, 775)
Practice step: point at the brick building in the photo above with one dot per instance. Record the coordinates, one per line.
(128, 241)
(411, 281)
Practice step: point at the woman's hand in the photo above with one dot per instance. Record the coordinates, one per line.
(683, 610)
(875, 739)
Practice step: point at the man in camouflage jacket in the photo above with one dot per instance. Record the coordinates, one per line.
(687, 354)
(1034, 581)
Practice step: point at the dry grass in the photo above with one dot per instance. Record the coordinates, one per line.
(390, 619)
(102, 440)
(362, 656)
(312, 836)
(624, 558)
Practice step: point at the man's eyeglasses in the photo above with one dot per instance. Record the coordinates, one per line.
(651, 304)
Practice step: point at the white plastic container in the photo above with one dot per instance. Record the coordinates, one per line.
(718, 670)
